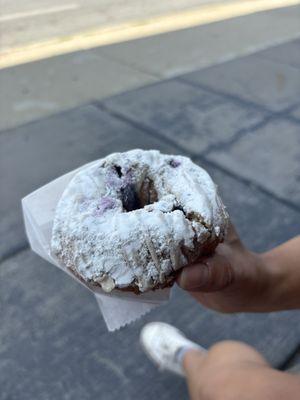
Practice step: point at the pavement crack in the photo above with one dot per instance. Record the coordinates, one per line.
(231, 97)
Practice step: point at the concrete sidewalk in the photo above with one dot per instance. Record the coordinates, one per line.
(39, 89)
(241, 121)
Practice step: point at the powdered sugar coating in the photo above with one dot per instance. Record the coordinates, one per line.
(132, 219)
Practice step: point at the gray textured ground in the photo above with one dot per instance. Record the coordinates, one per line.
(28, 21)
(36, 90)
(240, 120)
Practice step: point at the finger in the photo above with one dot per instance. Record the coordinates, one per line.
(212, 273)
(193, 360)
(234, 352)
(192, 364)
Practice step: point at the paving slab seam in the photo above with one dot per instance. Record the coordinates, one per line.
(243, 132)
(290, 64)
(133, 66)
(13, 252)
(254, 50)
(145, 128)
(240, 134)
(293, 119)
(92, 102)
(249, 182)
(291, 109)
(196, 157)
(14, 129)
(233, 98)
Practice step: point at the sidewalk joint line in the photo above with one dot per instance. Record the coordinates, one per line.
(232, 97)
(201, 157)
(248, 182)
(14, 252)
(243, 132)
(133, 66)
(140, 126)
(284, 113)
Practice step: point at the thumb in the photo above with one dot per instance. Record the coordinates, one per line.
(210, 274)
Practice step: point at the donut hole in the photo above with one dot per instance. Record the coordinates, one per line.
(118, 170)
(134, 199)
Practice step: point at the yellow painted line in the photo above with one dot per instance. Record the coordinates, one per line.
(137, 29)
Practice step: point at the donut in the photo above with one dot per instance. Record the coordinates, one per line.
(131, 220)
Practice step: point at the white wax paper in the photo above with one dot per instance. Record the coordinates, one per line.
(118, 308)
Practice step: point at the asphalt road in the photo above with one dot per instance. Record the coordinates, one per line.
(28, 21)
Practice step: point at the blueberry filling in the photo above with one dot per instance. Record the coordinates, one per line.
(133, 199)
(174, 163)
(105, 203)
(118, 170)
(129, 198)
(132, 195)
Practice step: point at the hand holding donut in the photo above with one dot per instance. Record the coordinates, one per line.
(235, 279)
